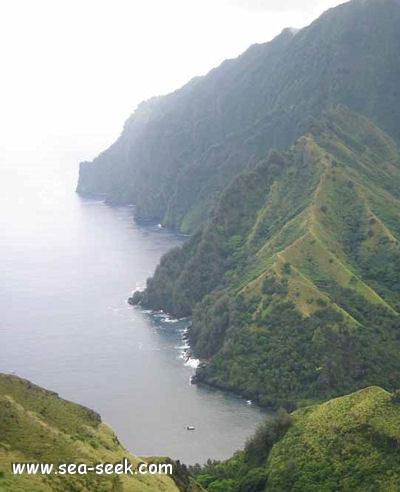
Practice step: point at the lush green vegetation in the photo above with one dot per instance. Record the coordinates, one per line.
(293, 277)
(245, 471)
(178, 152)
(36, 425)
(349, 443)
(293, 283)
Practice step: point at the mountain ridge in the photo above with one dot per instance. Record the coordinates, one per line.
(173, 167)
(293, 281)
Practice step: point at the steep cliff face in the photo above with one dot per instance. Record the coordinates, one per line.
(177, 152)
(293, 277)
(293, 282)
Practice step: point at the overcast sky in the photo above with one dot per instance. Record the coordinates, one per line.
(72, 71)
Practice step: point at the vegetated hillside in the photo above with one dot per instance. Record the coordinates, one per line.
(38, 426)
(349, 443)
(177, 152)
(294, 282)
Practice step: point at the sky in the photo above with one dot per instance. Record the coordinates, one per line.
(72, 71)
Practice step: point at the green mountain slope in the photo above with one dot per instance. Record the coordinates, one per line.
(38, 426)
(349, 443)
(294, 282)
(177, 152)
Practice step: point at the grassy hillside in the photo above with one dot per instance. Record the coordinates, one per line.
(38, 426)
(294, 282)
(178, 152)
(349, 443)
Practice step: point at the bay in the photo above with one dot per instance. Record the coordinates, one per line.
(67, 266)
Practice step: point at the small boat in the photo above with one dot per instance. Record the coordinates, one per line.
(249, 402)
(190, 427)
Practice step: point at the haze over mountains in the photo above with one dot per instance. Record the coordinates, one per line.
(284, 167)
(293, 275)
(178, 151)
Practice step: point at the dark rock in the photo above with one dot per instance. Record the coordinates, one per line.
(136, 298)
